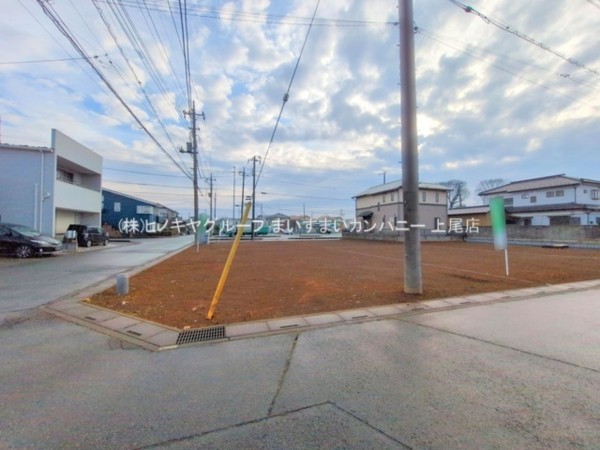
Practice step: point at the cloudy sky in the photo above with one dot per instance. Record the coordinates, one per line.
(490, 103)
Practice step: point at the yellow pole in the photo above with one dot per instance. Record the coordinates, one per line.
(236, 243)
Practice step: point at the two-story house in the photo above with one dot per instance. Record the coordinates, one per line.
(551, 200)
(48, 188)
(383, 204)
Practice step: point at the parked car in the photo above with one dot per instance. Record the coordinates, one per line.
(24, 242)
(88, 235)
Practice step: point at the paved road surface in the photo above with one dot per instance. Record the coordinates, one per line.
(521, 374)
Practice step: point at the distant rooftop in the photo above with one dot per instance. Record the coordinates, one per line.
(548, 182)
(395, 185)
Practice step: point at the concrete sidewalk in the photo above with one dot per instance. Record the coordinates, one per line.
(518, 374)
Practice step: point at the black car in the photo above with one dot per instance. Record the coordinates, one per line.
(24, 242)
(88, 235)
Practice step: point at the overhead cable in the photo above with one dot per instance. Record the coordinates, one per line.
(286, 96)
(46, 8)
(508, 28)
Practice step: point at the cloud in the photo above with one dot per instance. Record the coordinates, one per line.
(489, 103)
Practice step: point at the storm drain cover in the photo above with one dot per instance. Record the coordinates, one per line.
(200, 335)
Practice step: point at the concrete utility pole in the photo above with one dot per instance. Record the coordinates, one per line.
(193, 149)
(210, 195)
(233, 201)
(243, 174)
(413, 283)
(254, 160)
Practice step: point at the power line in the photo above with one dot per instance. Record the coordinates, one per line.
(63, 28)
(479, 58)
(51, 60)
(286, 95)
(254, 17)
(593, 3)
(509, 29)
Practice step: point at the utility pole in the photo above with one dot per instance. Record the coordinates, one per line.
(254, 161)
(193, 149)
(410, 165)
(243, 174)
(210, 195)
(233, 201)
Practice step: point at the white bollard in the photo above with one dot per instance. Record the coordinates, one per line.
(122, 284)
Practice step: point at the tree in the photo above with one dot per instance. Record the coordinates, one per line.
(485, 185)
(491, 183)
(458, 193)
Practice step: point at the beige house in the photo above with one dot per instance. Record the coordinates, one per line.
(383, 204)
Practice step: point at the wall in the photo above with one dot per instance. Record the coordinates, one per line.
(572, 233)
(27, 187)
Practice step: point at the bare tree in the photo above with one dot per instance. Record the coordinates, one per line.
(491, 183)
(458, 192)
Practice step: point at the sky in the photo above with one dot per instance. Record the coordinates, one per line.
(515, 101)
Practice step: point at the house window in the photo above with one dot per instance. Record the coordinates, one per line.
(560, 193)
(117, 206)
(393, 195)
(508, 201)
(424, 196)
(524, 196)
(383, 198)
(549, 194)
(533, 199)
(437, 197)
(595, 194)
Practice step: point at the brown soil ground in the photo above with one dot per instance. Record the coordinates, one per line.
(287, 278)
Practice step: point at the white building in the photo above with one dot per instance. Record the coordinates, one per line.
(48, 188)
(551, 200)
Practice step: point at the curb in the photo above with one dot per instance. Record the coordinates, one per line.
(157, 337)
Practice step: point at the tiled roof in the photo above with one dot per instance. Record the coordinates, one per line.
(548, 208)
(395, 185)
(552, 181)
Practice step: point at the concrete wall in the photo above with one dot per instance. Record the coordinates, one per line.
(566, 233)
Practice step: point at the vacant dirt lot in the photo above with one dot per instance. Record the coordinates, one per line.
(286, 278)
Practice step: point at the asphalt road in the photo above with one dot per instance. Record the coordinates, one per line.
(520, 374)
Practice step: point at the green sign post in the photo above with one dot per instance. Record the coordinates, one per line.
(499, 227)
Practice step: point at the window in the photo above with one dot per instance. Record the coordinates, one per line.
(383, 198)
(595, 194)
(508, 201)
(560, 193)
(117, 206)
(437, 197)
(144, 209)
(549, 194)
(65, 176)
(424, 196)
(533, 199)
(393, 195)
(524, 196)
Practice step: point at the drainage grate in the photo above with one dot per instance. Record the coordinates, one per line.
(200, 335)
